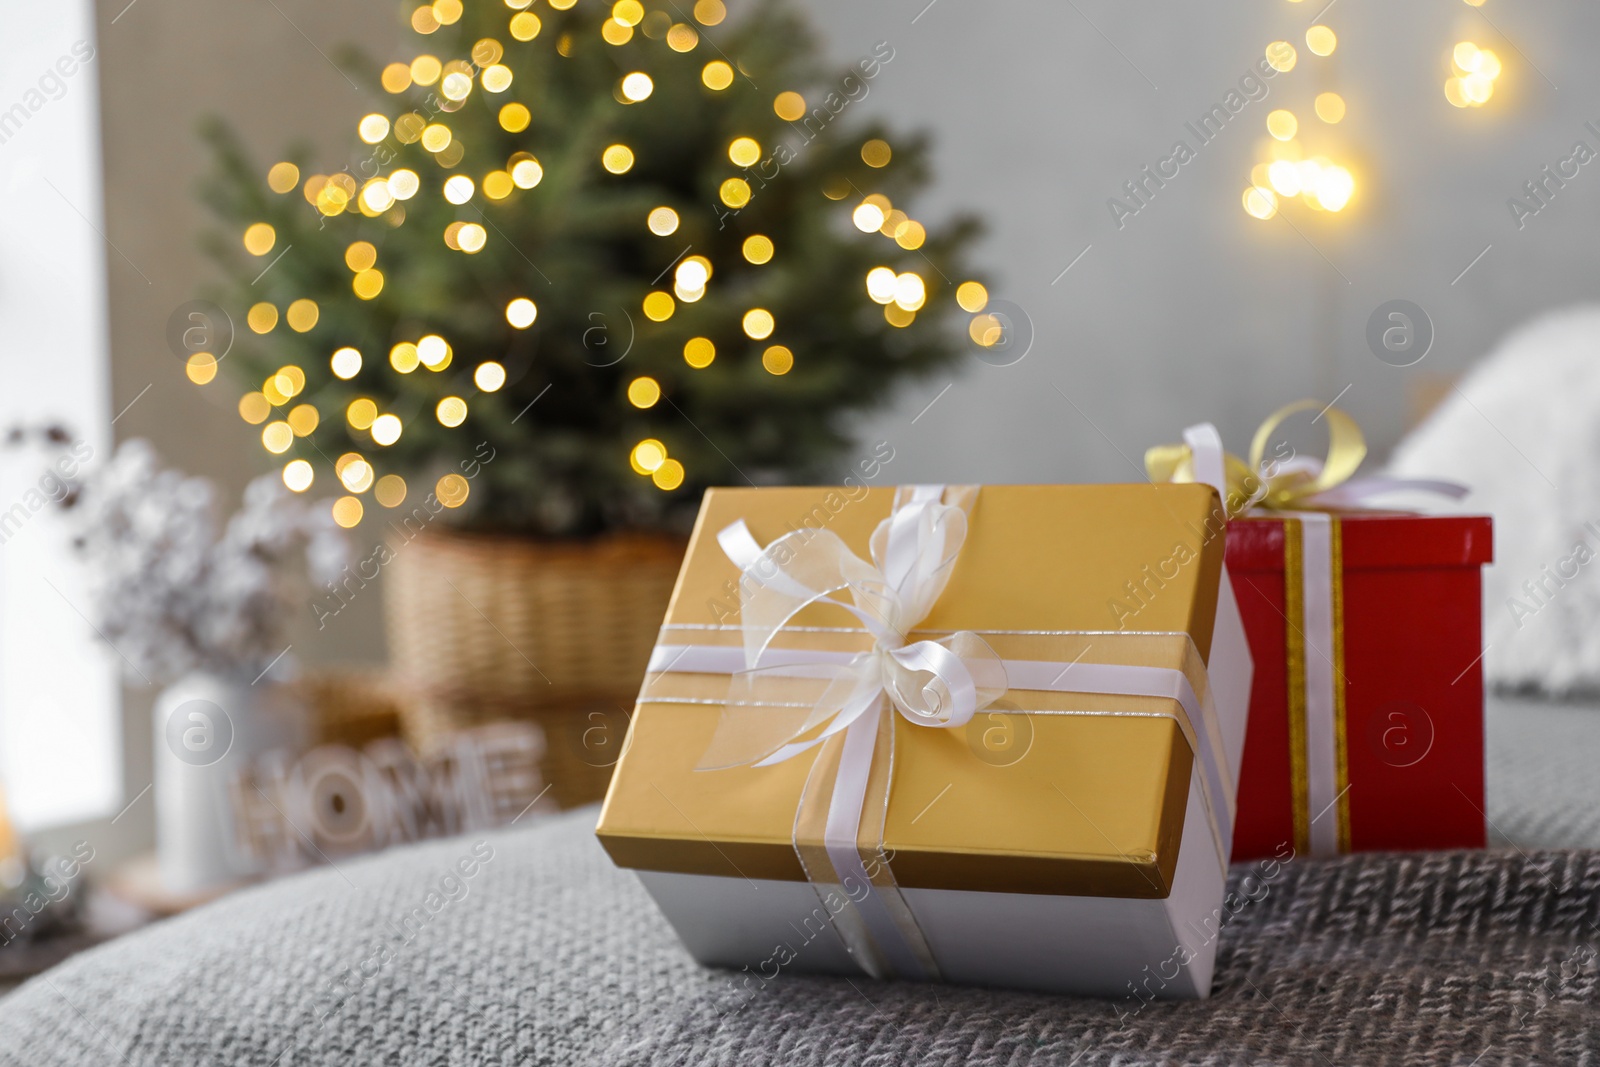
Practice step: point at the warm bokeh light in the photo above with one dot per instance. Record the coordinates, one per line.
(373, 128)
(433, 351)
(360, 413)
(777, 360)
(386, 429)
(744, 151)
(390, 490)
(347, 511)
(758, 324)
(1321, 40)
(1281, 56)
(757, 249)
(525, 171)
(617, 158)
(662, 221)
(525, 26)
(880, 284)
(262, 317)
(868, 218)
(404, 184)
(1474, 71)
(644, 392)
(298, 475)
(1260, 203)
(302, 315)
(425, 70)
(451, 411)
(452, 490)
(972, 296)
(716, 75)
(497, 185)
(361, 255)
(735, 192)
(496, 78)
(1282, 124)
(637, 86)
(345, 363)
(789, 106)
(254, 408)
(521, 312)
(682, 37)
(489, 376)
(911, 235)
(458, 188)
(692, 274)
(909, 291)
(647, 455)
(403, 357)
(876, 153)
(367, 284)
(396, 77)
(259, 238)
(276, 437)
(514, 118)
(699, 352)
(668, 476)
(357, 475)
(201, 368)
(303, 420)
(986, 330)
(436, 137)
(283, 177)
(1330, 107)
(658, 306)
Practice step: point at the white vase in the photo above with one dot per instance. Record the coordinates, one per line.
(207, 729)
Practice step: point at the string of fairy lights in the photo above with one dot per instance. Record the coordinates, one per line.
(285, 415)
(1285, 171)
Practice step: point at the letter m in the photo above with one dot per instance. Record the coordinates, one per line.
(1220, 114)
(11, 121)
(12, 521)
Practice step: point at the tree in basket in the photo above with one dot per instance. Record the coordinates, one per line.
(588, 260)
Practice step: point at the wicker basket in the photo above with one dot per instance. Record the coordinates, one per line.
(350, 706)
(486, 627)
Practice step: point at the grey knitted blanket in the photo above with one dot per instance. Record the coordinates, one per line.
(528, 947)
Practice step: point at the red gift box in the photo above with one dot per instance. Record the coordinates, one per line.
(1366, 714)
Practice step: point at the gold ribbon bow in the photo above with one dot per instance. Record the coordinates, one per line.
(1293, 483)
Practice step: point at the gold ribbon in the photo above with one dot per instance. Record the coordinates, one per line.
(1272, 484)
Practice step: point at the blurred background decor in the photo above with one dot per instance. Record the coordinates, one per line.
(293, 810)
(201, 612)
(579, 268)
(1540, 603)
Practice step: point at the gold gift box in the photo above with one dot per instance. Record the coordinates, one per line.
(1087, 805)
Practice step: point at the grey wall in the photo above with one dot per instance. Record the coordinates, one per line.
(1190, 311)
(1193, 310)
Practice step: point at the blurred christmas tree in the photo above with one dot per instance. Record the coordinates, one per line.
(592, 260)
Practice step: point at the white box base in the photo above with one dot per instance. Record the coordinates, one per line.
(1098, 946)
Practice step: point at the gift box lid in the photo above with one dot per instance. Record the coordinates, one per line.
(1090, 804)
(1371, 540)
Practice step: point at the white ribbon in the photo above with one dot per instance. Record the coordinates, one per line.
(939, 684)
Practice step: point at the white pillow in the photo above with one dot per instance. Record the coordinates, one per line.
(1523, 429)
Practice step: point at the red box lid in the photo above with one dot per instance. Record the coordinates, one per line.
(1372, 540)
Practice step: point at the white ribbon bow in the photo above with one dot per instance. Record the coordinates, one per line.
(940, 684)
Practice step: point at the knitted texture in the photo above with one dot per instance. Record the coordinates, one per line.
(546, 954)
